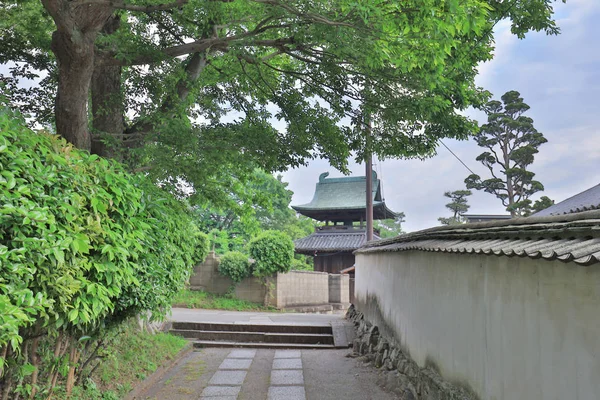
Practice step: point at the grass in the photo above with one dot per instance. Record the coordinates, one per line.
(201, 299)
(132, 356)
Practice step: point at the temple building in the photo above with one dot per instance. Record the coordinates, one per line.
(341, 204)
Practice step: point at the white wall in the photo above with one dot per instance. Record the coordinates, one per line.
(509, 328)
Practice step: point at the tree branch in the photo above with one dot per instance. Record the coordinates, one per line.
(62, 20)
(199, 46)
(121, 5)
(308, 15)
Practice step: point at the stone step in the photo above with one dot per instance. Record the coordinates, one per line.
(199, 344)
(253, 337)
(263, 328)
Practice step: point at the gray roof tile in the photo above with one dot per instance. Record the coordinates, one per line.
(584, 201)
(572, 237)
(327, 241)
(335, 195)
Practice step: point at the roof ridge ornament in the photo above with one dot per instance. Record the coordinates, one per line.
(323, 176)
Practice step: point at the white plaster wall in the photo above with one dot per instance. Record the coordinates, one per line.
(509, 328)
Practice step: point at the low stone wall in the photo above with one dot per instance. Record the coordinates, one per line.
(400, 374)
(301, 288)
(339, 288)
(292, 289)
(206, 277)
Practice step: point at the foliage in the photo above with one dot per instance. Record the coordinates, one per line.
(205, 300)
(512, 142)
(129, 356)
(541, 204)
(201, 250)
(272, 252)
(235, 265)
(301, 265)
(458, 205)
(170, 72)
(83, 246)
(390, 227)
(232, 228)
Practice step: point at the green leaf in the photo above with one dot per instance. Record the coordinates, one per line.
(73, 315)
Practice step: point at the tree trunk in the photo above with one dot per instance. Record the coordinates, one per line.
(73, 360)
(107, 104)
(35, 361)
(74, 52)
(509, 182)
(3, 352)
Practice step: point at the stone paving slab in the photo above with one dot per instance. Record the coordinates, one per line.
(214, 391)
(287, 354)
(287, 377)
(286, 393)
(242, 354)
(235, 363)
(229, 378)
(287, 363)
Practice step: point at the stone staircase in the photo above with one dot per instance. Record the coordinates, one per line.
(278, 336)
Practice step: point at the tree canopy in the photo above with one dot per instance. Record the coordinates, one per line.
(512, 142)
(390, 227)
(198, 93)
(268, 208)
(541, 204)
(458, 205)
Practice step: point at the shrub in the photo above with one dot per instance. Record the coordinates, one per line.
(272, 252)
(201, 250)
(235, 265)
(300, 265)
(83, 246)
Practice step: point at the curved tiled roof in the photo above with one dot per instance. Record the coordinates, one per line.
(587, 200)
(572, 237)
(331, 241)
(343, 199)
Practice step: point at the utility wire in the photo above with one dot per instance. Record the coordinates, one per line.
(458, 158)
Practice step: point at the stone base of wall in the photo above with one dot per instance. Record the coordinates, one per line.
(399, 373)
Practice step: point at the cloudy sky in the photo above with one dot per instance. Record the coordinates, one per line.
(557, 76)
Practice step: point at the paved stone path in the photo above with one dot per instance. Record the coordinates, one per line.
(266, 374)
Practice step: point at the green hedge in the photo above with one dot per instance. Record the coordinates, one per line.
(235, 265)
(272, 252)
(83, 245)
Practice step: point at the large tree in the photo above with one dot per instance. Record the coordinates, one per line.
(152, 82)
(267, 208)
(512, 142)
(458, 205)
(390, 227)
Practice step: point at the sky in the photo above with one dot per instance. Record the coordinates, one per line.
(557, 76)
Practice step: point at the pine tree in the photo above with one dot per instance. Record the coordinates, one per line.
(458, 206)
(512, 141)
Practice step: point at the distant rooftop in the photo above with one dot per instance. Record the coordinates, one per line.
(587, 200)
(332, 239)
(344, 199)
